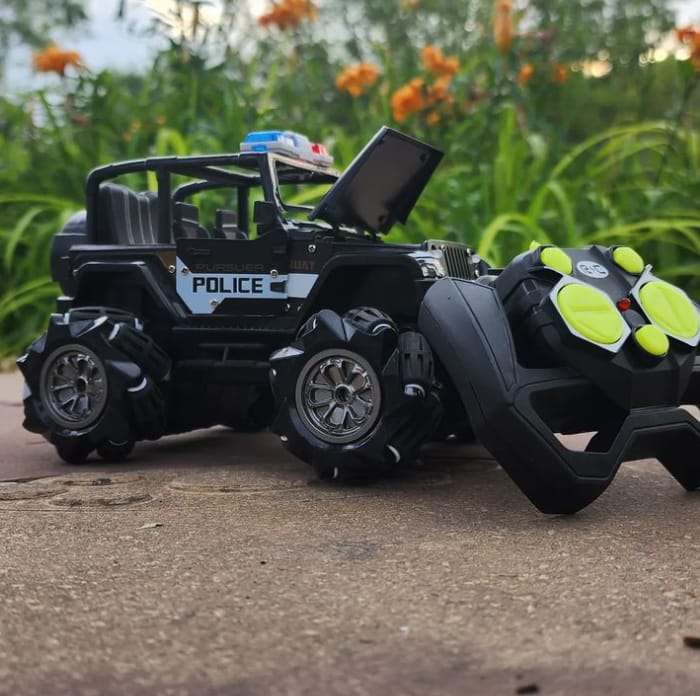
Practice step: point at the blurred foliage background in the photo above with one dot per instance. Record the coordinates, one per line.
(569, 122)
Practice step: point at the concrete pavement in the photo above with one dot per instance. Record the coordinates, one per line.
(212, 563)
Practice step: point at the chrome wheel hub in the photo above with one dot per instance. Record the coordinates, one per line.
(73, 386)
(338, 396)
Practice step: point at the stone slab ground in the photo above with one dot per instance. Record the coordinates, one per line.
(212, 563)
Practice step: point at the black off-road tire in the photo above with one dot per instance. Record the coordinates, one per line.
(91, 383)
(112, 451)
(354, 397)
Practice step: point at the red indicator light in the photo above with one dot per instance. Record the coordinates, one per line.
(624, 304)
(320, 155)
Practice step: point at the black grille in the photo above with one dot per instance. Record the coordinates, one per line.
(456, 257)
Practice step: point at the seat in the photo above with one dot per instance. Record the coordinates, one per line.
(126, 217)
(186, 222)
(226, 226)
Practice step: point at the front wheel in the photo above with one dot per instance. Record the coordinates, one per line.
(354, 396)
(338, 396)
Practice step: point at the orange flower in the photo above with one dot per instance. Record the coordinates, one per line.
(691, 37)
(439, 91)
(53, 59)
(503, 24)
(431, 56)
(437, 63)
(287, 14)
(686, 34)
(561, 73)
(355, 79)
(525, 74)
(407, 99)
(433, 118)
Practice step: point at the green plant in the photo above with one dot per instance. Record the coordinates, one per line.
(27, 293)
(608, 189)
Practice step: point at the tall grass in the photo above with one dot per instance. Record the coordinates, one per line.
(27, 293)
(630, 185)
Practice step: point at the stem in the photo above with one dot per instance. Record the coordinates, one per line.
(685, 100)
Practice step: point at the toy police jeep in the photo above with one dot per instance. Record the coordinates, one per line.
(216, 297)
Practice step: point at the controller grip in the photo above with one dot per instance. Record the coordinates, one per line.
(514, 410)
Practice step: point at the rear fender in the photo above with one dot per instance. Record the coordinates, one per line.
(387, 284)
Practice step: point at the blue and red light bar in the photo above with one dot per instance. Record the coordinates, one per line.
(287, 143)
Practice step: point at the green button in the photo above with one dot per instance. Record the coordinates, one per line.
(652, 339)
(591, 313)
(559, 260)
(628, 260)
(669, 308)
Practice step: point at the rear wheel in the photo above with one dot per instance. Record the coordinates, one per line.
(92, 384)
(73, 386)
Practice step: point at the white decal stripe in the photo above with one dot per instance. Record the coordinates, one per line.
(299, 284)
(203, 292)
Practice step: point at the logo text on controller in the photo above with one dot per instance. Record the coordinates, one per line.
(592, 269)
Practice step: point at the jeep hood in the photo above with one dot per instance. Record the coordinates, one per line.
(381, 185)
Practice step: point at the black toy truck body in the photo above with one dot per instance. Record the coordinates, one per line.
(250, 310)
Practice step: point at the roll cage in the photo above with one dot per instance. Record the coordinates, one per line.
(266, 171)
